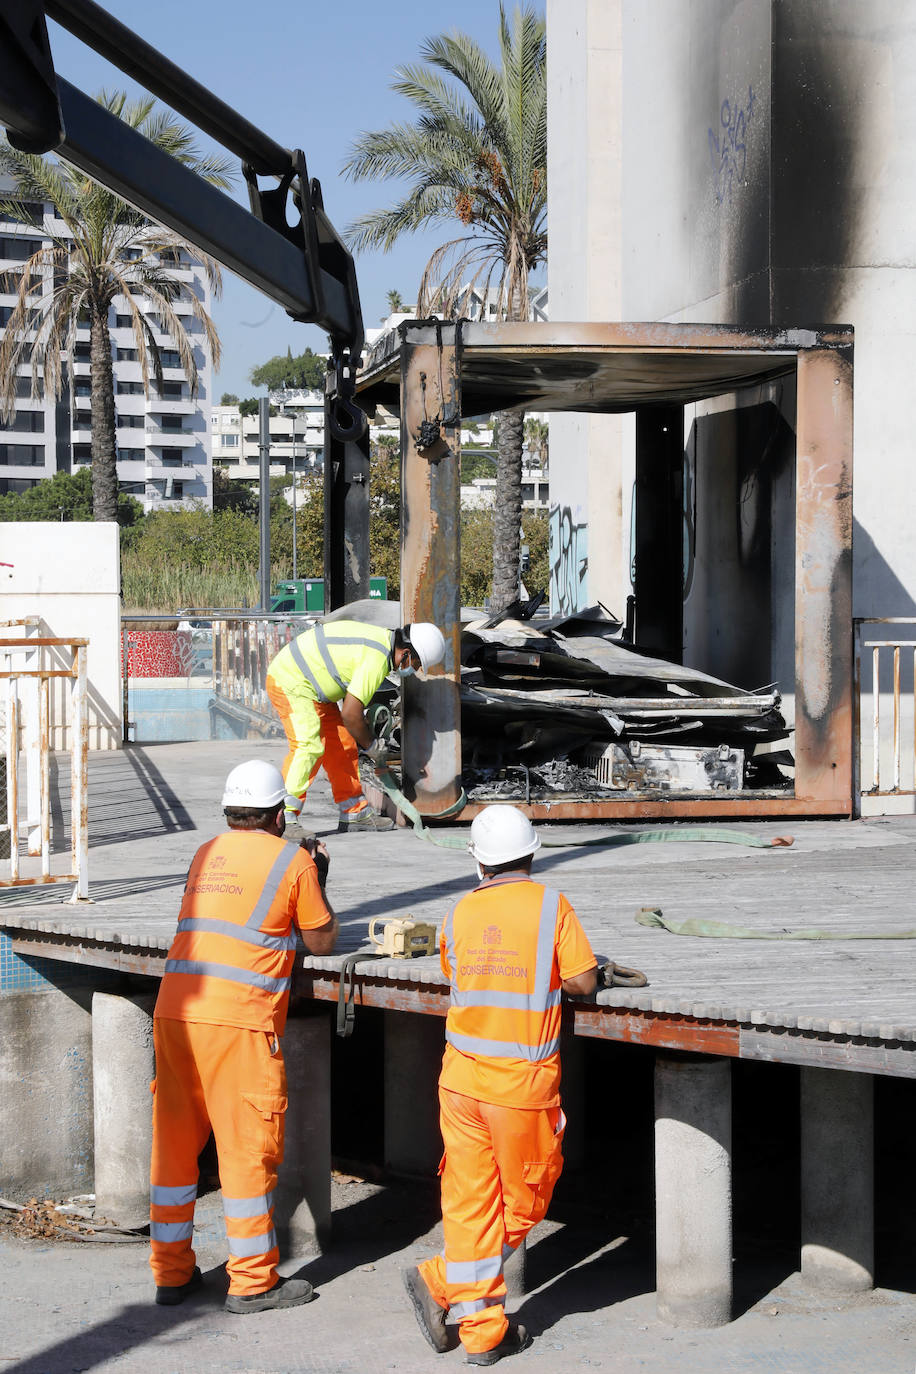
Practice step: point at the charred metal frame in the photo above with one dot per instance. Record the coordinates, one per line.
(434, 373)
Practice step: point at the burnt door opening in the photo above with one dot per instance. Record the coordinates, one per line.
(658, 553)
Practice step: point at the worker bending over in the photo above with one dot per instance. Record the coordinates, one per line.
(341, 661)
(508, 949)
(219, 1015)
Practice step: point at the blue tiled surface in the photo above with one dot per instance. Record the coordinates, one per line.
(34, 975)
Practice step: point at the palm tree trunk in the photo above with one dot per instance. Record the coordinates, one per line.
(104, 451)
(507, 517)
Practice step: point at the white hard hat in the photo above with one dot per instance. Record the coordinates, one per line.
(254, 784)
(500, 834)
(427, 642)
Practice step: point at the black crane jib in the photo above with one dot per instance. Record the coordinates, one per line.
(304, 266)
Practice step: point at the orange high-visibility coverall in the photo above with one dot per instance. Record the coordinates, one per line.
(305, 681)
(221, 1008)
(505, 949)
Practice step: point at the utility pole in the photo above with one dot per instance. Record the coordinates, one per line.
(264, 454)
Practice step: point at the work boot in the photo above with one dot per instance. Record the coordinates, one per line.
(365, 819)
(515, 1340)
(430, 1316)
(285, 1293)
(171, 1295)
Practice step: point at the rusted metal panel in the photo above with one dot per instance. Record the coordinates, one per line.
(370, 993)
(823, 577)
(649, 1028)
(600, 367)
(748, 805)
(430, 564)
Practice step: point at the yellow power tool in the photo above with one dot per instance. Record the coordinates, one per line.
(403, 937)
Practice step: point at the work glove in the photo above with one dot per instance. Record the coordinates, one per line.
(312, 845)
(377, 753)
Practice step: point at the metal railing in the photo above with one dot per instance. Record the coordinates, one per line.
(28, 666)
(890, 684)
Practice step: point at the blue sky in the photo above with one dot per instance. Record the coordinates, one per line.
(312, 75)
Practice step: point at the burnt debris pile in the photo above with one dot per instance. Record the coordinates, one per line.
(566, 708)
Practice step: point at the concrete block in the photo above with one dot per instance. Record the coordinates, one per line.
(693, 1194)
(123, 1066)
(302, 1203)
(837, 1164)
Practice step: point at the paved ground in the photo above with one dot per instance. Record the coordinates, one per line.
(67, 1307)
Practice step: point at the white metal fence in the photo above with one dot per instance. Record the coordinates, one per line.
(885, 725)
(30, 665)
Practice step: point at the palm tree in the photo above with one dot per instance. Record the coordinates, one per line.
(395, 302)
(537, 441)
(476, 153)
(105, 251)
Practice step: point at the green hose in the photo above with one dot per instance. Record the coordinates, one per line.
(683, 834)
(721, 930)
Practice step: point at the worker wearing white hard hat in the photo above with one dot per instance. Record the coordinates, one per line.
(220, 1012)
(509, 950)
(342, 661)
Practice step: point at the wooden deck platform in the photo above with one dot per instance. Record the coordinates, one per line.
(841, 1003)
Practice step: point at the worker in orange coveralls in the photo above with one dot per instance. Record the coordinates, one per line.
(509, 949)
(219, 1015)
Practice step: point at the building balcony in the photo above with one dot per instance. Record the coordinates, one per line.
(178, 438)
(159, 405)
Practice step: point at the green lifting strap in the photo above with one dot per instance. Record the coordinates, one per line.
(683, 834)
(655, 919)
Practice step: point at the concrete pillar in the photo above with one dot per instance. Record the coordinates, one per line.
(413, 1058)
(693, 1193)
(123, 1067)
(837, 1164)
(302, 1203)
(515, 1271)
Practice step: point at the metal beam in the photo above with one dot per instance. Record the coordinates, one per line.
(346, 514)
(430, 563)
(120, 45)
(159, 186)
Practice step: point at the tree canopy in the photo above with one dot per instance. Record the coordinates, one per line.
(306, 371)
(65, 496)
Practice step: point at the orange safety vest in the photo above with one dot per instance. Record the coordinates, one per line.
(506, 949)
(231, 961)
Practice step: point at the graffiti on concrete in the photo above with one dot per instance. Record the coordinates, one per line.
(728, 145)
(568, 562)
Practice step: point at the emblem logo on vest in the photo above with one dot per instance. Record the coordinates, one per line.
(492, 936)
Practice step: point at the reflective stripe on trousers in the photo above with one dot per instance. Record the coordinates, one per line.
(498, 1173)
(228, 1079)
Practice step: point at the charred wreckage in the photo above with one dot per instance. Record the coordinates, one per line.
(565, 708)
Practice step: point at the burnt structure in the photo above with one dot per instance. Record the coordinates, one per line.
(434, 373)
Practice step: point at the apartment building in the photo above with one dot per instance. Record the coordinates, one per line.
(162, 438)
(296, 436)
